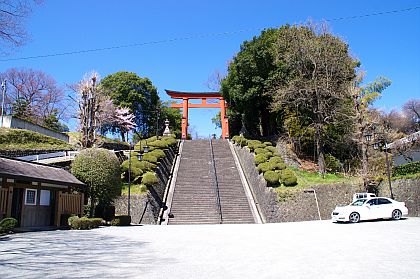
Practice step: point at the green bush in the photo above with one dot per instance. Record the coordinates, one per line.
(158, 144)
(276, 160)
(267, 143)
(149, 157)
(7, 225)
(122, 220)
(236, 139)
(262, 151)
(406, 169)
(260, 158)
(149, 178)
(84, 223)
(100, 170)
(288, 178)
(266, 166)
(136, 170)
(158, 153)
(272, 149)
(280, 166)
(254, 144)
(332, 163)
(272, 178)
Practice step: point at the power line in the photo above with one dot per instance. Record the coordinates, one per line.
(197, 36)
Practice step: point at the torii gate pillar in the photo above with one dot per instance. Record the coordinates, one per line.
(185, 96)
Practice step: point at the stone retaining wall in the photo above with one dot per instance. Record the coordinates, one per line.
(300, 205)
(153, 198)
(404, 190)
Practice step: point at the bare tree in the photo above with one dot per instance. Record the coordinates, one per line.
(13, 14)
(36, 91)
(412, 110)
(89, 108)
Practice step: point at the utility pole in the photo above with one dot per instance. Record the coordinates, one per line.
(3, 87)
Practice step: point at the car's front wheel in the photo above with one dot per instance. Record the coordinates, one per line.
(354, 217)
(396, 214)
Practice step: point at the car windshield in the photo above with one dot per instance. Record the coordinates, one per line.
(358, 202)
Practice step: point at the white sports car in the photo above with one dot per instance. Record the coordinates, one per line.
(369, 209)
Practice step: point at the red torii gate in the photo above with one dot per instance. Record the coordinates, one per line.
(185, 105)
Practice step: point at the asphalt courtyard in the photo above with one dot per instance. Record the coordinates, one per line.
(318, 249)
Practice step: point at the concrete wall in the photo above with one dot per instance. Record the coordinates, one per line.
(404, 190)
(153, 198)
(16, 123)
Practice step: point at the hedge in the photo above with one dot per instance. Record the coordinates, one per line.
(158, 153)
(276, 159)
(84, 223)
(272, 178)
(7, 225)
(149, 178)
(260, 158)
(122, 220)
(149, 157)
(288, 178)
(410, 168)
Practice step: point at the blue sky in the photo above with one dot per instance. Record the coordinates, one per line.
(387, 45)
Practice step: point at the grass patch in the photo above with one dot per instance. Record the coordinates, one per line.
(19, 139)
(406, 176)
(306, 179)
(135, 189)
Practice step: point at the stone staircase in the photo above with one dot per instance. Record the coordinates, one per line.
(195, 197)
(234, 203)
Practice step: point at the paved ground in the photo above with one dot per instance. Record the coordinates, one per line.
(318, 249)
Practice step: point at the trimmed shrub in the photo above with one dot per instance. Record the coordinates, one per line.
(272, 149)
(276, 160)
(84, 223)
(122, 220)
(236, 139)
(136, 170)
(149, 157)
(254, 144)
(261, 151)
(100, 170)
(280, 166)
(7, 225)
(149, 178)
(267, 143)
(158, 153)
(158, 144)
(410, 168)
(272, 178)
(260, 158)
(266, 166)
(288, 178)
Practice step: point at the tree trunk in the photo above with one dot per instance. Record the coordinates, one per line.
(320, 151)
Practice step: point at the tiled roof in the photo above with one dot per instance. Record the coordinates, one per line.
(27, 171)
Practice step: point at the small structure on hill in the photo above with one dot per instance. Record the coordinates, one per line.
(38, 195)
(167, 132)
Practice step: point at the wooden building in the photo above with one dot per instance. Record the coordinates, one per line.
(38, 195)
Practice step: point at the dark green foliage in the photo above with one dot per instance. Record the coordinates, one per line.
(100, 170)
(84, 223)
(19, 139)
(288, 178)
(332, 163)
(53, 123)
(122, 220)
(272, 178)
(149, 178)
(7, 225)
(250, 75)
(136, 169)
(127, 89)
(260, 158)
(410, 168)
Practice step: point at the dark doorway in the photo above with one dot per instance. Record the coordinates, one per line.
(17, 204)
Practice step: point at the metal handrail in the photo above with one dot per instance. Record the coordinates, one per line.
(216, 183)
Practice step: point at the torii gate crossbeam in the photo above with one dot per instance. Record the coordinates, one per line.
(185, 105)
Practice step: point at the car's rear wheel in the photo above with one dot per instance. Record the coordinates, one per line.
(396, 214)
(354, 217)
